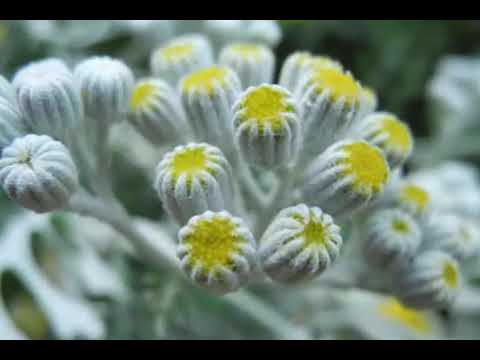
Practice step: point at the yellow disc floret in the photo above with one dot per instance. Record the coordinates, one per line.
(400, 226)
(205, 79)
(246, 50)
(411, 319)
(398, 135)
(175, 52)
(414, 196)
(338, 83)
(265, 106)
(189, 162)
(141, 94)
(450, 274)
(313, 233)
(367, 167)
(211, 243)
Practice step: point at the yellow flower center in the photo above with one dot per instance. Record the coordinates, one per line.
(265, 107)
(313, 233)
(212, 242)
(190, 162)
(340, 85)
(246, 50)
(366, 165)
(175, 52)
(414, 195)
(398, 136)
(205, 79)
(450, 274)
(400, 226)
(141, 94)
(411, 319)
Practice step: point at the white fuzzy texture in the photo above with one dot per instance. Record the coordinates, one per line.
(269, 149)
(420, 284)
(38, 173)
(161, 119)
(12, 124)
(49, 98)
(206, 190)
(325, 121)
(210, 115)
(221, 279)
(264, 31)
(385, 246)
(293, 70)
(252, 70)
(325, 185)
(370, 129)
(283, 252)
(172, 70)
(106, 86)
(452, 234)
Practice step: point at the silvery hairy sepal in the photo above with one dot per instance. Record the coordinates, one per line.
(11, 122)
(38, 173)
(49, 98)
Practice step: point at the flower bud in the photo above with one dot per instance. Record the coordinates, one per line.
(253, 63)
(217, 251)
(156, 112)
(450, 233)
(345, 177)
(49, 98)
(192, 179)
(106, 86)
(208, 96)
(267, 131)
(299, 244)
(264, 31)
(411, 197)
(430, 280)
(38, 173)
(392, 238)
(181, 56)
(389, 134)
(11, 121)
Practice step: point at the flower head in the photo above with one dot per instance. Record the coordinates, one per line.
(299, 244)
(217, 251)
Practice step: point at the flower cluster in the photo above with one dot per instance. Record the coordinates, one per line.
(260, 176)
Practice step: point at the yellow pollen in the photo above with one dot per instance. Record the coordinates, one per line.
(412, 319)
(317, 63)
(212, 242)
(189, 162)
(313, 233)
(400, 226)
(246, 50)
(340, 84)
(205, 79)
(398, 136)
(415, 195)
(265, 106)
(449, 274)
(141, 94)
(366, 165)
(175, 52)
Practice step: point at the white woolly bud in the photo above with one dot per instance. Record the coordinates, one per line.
(11, 122)
(106, 86)
(410, 197)
(38, 173)
(392, 238)
(253, 63)
(452, 234)
(389, 134)
(217, 251)
(49, 98)
(345, 177)
(267, 129)
(192, 179)
(429, 281)
(264, 31)
(330, 100)
(299, 244)
(180, 56)
(208, 96)
(156, 112)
